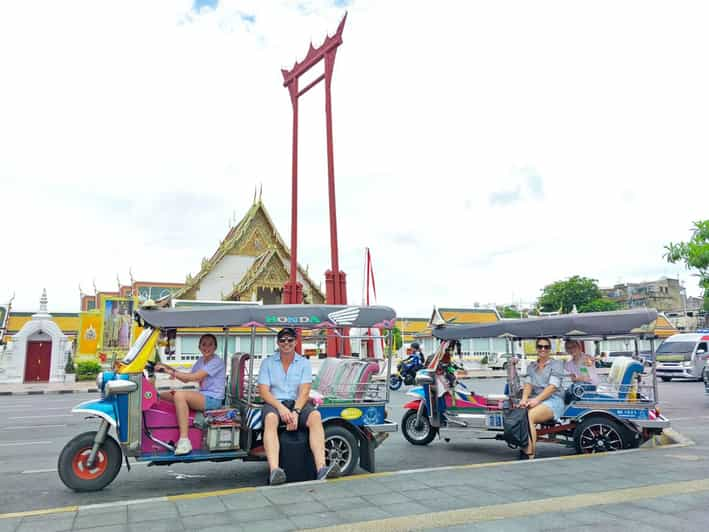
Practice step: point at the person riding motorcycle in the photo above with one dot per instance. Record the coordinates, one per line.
(414, 361)
(407, 368)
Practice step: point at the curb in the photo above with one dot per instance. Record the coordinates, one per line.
(668, 437)
(72, 391)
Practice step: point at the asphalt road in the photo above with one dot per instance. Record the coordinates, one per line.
(34, 428)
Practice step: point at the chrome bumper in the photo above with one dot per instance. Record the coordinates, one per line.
(387, 426)
(659, 423)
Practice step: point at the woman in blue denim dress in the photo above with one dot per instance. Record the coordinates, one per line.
(542, 393)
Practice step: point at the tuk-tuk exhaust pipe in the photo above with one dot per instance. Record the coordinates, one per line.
(98, 441)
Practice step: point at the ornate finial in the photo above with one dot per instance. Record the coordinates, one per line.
(260, 191)
(81, 292)
(43, 301)
(188, 279)
(130, 274)
(204, 262)
(119, 283)
(94, 283)
(254, 194)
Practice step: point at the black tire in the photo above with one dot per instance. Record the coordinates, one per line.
(666, 379)
(597, 434)
(504, 366)
(395, 382)
(71, 463)
(341, 445)
(417, 435)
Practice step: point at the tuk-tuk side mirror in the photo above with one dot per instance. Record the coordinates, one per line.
(423, 377)
(117, 387)
(701, 351)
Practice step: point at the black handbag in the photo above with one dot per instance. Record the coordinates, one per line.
(515, 423)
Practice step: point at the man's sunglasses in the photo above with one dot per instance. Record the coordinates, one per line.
(286, 340)
(543, 346)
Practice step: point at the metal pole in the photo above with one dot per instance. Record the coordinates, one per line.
(225, 330)
(654, 369)
(248, 380)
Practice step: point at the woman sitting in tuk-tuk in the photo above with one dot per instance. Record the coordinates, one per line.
(210, 373)
(542, 393)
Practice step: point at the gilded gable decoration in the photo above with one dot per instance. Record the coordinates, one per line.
(252, 259)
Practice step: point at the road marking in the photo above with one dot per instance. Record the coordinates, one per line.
(54, 469)
(43, 408)
(38, 442)
(32, 513)
(38, 417)
(552, 505)
(204, 494)
(17, 427)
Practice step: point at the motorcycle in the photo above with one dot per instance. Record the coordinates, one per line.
(405, 372)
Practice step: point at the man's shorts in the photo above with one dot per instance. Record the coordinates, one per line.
(302, 418)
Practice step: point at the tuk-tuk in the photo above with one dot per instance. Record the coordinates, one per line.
(616, 414)
(349, 392)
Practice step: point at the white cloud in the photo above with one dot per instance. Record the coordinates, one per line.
(131, 131)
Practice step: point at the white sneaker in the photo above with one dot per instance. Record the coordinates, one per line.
(183, 446)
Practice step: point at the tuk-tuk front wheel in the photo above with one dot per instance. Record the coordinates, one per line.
(341, 447)
(418, 434)
(74, 471)
(598, 434)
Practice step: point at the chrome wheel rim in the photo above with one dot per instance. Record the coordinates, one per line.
(421, 433)
(338, 450)
(600, 438)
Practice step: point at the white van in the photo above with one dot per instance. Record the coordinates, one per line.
(683, 356)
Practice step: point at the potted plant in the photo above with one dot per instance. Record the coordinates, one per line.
(69, 374)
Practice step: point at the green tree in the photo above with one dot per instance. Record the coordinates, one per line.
(695, 255)
(397, 339)
(580, 291)
(599, 305)
(509, 312)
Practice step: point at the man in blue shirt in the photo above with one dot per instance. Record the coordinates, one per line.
(284, 383)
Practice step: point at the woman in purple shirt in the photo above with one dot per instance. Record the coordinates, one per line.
(210, 373)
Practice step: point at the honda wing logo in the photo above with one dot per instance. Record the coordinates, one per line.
(346, 316)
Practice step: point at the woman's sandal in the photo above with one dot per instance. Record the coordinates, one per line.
(525, 456)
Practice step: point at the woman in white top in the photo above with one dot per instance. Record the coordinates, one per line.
(580, 366)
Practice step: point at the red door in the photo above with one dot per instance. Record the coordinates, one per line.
(39, 357)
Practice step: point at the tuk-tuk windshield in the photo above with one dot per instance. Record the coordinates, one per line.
(137, 346)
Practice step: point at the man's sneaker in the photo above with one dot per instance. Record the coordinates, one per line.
(278, 476)
(324, 471)
(183, 446)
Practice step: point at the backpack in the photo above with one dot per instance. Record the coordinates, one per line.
(515, 423)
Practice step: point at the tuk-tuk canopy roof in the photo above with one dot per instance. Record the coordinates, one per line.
(640, 322)
(276, 316)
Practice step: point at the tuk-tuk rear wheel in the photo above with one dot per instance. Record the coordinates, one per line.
(597, 434)
(72, 467)
(341, 447)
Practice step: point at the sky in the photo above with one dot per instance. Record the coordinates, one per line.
(483, 150)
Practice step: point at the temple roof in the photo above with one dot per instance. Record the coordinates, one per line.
(243, 257)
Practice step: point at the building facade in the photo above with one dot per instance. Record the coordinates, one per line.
(665, 294)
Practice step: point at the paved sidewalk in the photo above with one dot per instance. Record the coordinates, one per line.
(665, 488)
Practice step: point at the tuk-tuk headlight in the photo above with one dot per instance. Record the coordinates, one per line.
(687, 363)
